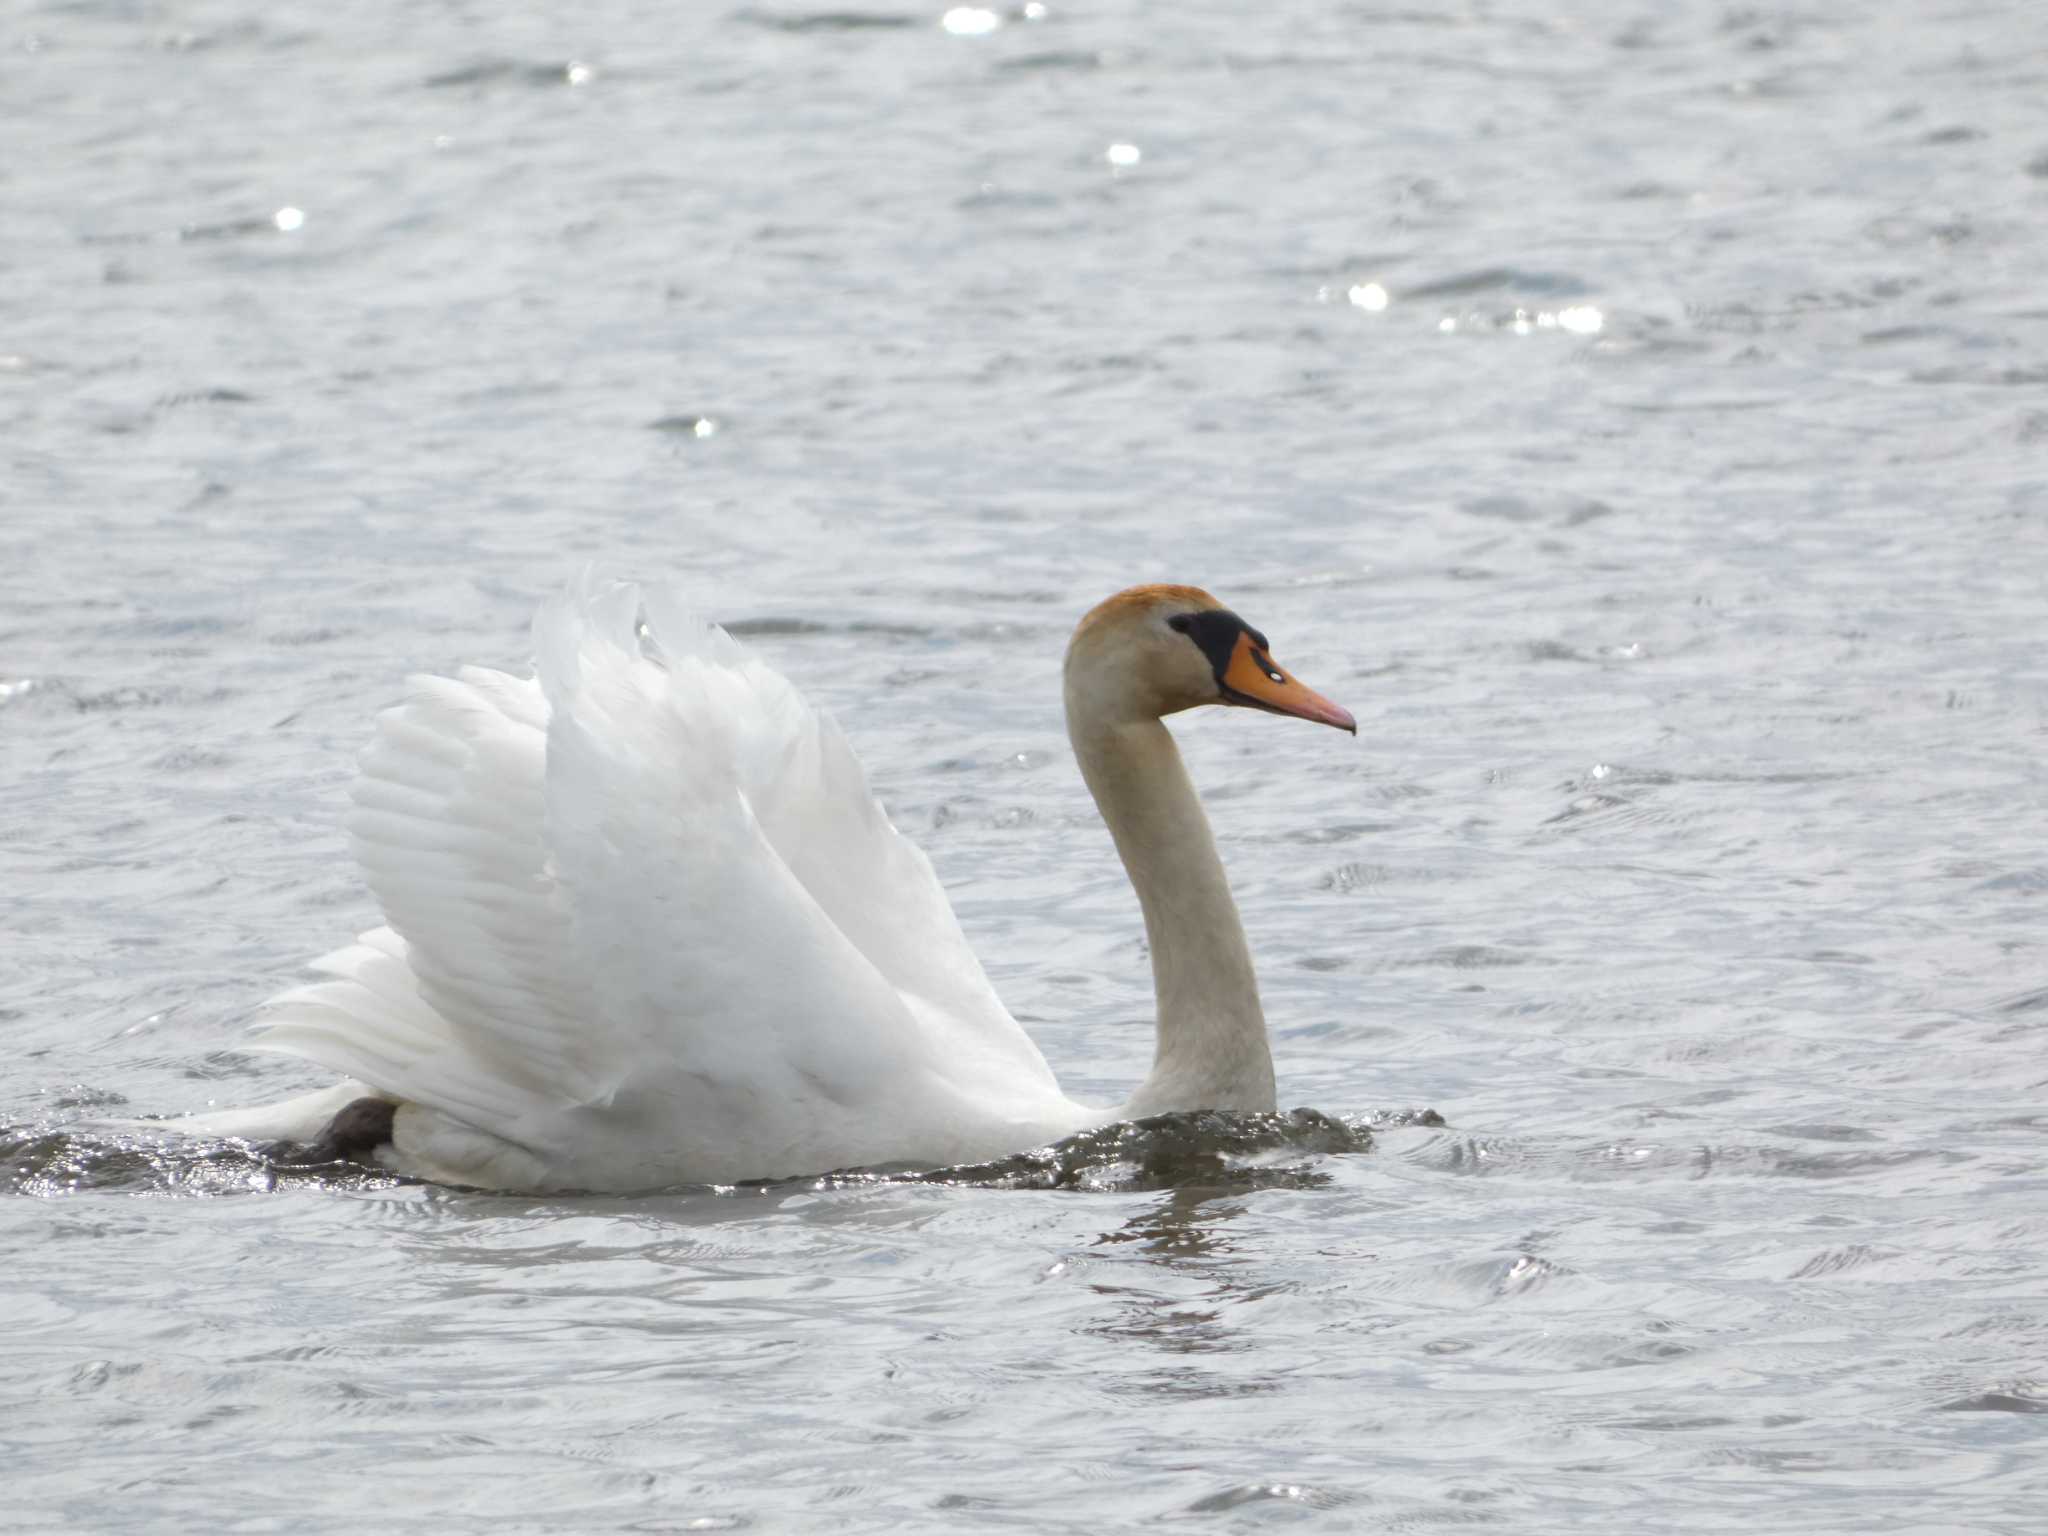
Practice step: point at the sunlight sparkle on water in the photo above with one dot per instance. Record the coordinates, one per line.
(1368, 296)
(1575, 319)
(577, 73)
(1123, 154)
(288, 219)
(970, 21)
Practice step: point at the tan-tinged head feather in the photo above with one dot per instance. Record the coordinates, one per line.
(1154, 650)
(1136, 599)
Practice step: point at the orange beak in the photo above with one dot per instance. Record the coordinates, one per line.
(1255, 679)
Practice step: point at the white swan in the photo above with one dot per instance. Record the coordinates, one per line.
(645, 924)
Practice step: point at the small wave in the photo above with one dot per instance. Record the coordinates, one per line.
(1207, 1149)
(43, 1163)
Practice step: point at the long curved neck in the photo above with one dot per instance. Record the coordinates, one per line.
(1212, 1051)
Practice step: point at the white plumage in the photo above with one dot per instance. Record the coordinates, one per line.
(645, 923)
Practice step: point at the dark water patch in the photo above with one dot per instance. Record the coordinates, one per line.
(42, 1163)
(131, 697)
(1998, 378)
(830, 21)
(1835, 1261)
(513, 72)
(2037, 1123)
(1823, 1132)
(1498, 280)
(1674, 1423)
(218, 396)
(2018, 880)
(1726, 405)
(1464, 957)
(228, 229)
(780, 625)
(192, 760)
(79, 1095)
(1220, 1149)
(1898, 333)
(1039, 597)
(2034, 1400)
(753, 629)
(1053, 60)
(183, 626)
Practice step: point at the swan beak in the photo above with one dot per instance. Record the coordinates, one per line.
(1255, 679)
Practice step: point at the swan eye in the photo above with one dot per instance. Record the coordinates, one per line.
(1182, 622)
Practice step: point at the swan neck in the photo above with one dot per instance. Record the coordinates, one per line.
(1211, 1050)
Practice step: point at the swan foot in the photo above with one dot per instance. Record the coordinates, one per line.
(352, 1136)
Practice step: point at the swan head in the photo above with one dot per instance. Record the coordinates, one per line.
(1156, 650)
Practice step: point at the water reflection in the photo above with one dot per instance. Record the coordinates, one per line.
(1186, 1224)
(1184, 1303)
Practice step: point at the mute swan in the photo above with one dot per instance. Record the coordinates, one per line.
(645, 924)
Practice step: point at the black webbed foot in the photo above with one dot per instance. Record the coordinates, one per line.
(352, 1136)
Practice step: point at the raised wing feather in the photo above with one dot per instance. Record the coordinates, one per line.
(643, 908)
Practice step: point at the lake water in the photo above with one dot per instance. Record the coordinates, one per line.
(1637, 415)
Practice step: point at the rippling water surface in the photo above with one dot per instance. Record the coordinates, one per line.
(1637, 415)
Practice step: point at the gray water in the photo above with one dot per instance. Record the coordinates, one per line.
(1637, 415)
